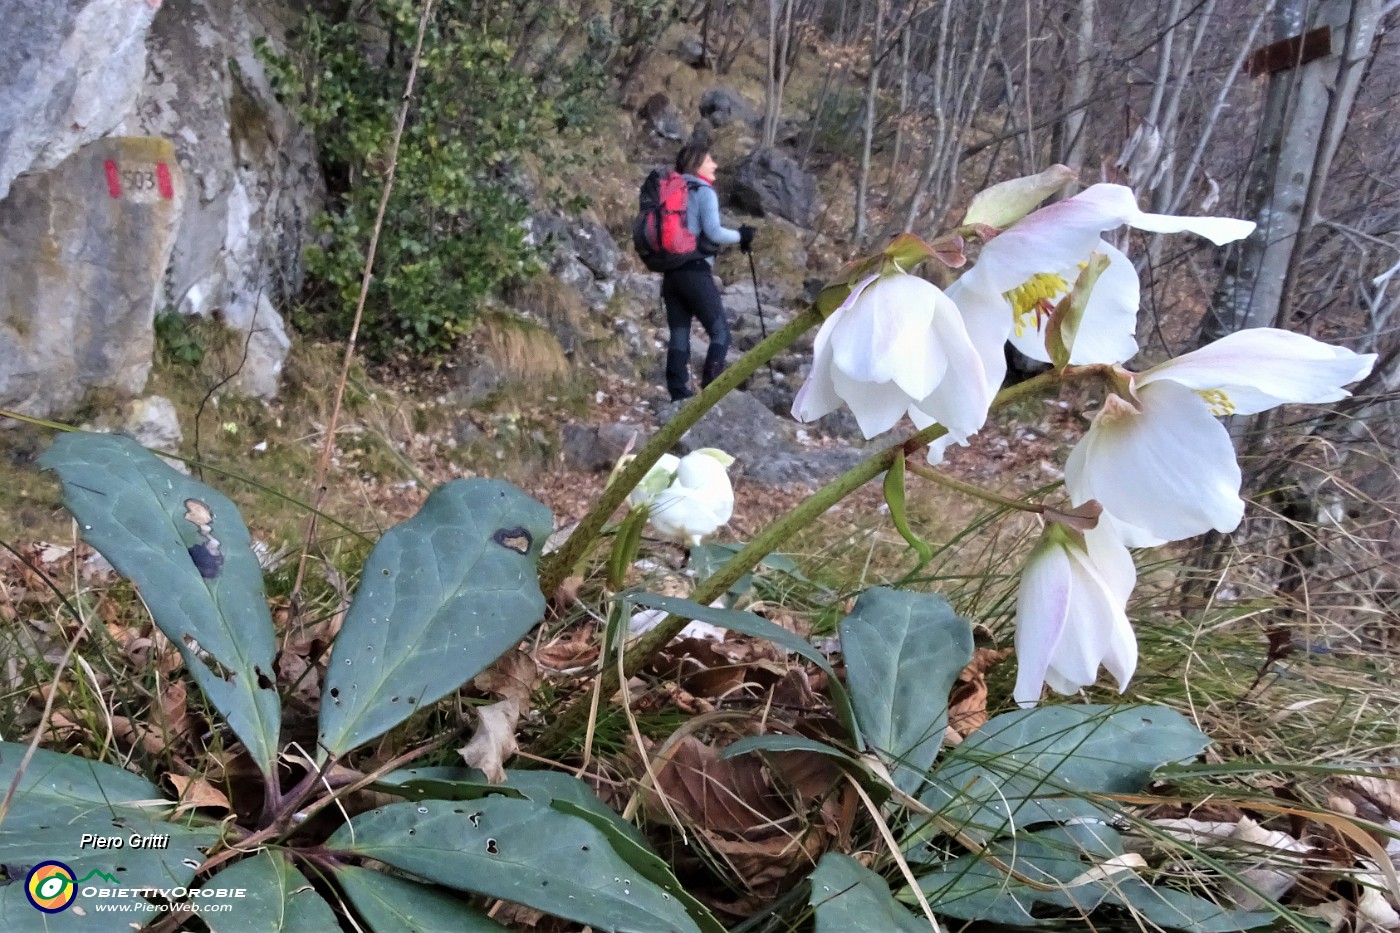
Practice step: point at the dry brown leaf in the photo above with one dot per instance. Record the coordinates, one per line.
(494, 740)
(729, 796)
(194, 793)
(513, 677)
(967, 706)
(570, 651)
(1381, 790)
(130, 733)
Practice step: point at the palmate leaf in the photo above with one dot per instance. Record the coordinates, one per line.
(389, 904)
(1039, 765)
(848, 896)
(972, 888)
(904, 652)
(517, 850)
(442, 596)
(60, 798)
(277, 899)
(185, 547)
(564, 793)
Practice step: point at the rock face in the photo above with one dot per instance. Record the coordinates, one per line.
(580, 253)
(71, 69)
(771, 182)
(252, 169)
(84, 248)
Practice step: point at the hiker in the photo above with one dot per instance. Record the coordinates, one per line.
(689, 291)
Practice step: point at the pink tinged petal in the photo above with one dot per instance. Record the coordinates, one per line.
(818, 396)
(1169, 469)
(1260, 368)
(877, 406)
(1055, 238)
(883, 335)
(1042, 607)
(1110, 319)
(1219, 230)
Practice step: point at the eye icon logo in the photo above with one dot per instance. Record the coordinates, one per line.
(51, 887)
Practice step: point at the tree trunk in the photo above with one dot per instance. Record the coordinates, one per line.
(872, 87)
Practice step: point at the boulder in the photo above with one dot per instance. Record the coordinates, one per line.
(722, 105)
(153, 422)
(579, 253)
(596, 448)
(71, 69)
(84, 248)
(251, 166)
(662, 117)
(768, 182)
(691, 50)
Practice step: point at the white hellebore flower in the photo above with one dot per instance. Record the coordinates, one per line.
(1023, 271)
(1160, 463)
(698, 500)
(1071, 613)
(656, 480)
(896, 345)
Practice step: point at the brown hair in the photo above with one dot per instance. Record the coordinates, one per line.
(690, 157)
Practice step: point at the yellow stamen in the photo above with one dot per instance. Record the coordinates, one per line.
(1219, 402)
(1034, 298)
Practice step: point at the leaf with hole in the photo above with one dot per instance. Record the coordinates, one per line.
(561, 792)
(517, 850)
(62, 797)
(185, 547)
(1045, 764)
(390, 904)
(848, 896)
(443, 595)
(904, 652)
(277, 899)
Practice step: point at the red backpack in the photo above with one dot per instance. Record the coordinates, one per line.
(659, 233)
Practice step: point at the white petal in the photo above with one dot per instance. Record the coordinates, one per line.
(883, 336)
(1056, 238)
(1110, 320)
(1263, 367)
(679, 513)
(1219, 230)
(877, 406)
(817, 396)
(960, 402)
(1169, 469)
(986, 316)
(1042, 606)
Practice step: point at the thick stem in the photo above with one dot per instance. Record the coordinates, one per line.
(557, 566)
(641, 652)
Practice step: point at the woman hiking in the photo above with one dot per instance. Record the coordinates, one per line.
(689, 291)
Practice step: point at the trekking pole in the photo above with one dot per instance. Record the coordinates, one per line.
(762, 326)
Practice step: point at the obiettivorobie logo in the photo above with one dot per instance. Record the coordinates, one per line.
(52, 887)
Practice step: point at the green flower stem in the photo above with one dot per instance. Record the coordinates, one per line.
(641, 652)
(560, 564)
(972, 489)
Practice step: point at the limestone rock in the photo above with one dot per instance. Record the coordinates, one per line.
(252, 170)
(153, 422)
(84, 248)
(771, 182)
(662, 117)
(71, 69)
(580, 254)
(721, 106)
(691, 50)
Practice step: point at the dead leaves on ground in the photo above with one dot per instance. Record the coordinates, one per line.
(513, 678)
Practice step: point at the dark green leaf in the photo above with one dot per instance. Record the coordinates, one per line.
(389, 904)
(517, 850)
(61, 798)
(1044, 764)
(903, 653)
(201, 582)
(277, 898)
(442, 596)
(894, 497)
(848, 896)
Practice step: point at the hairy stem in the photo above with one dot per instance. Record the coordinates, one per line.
(558, 565)
(641, 652)
(972, 489)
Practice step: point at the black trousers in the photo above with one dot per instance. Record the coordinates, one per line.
(689, 293)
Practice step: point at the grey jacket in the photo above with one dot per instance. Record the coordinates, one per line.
(702, 215)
